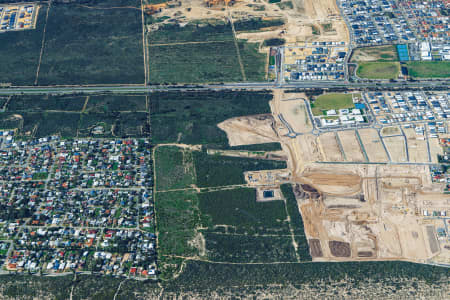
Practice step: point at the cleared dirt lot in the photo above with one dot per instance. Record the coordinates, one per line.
(295, 113)
(330, 147)
(351, 146)
(249, 130)
(396, 148)
(373, 145)
(417, 148)
(392, 130)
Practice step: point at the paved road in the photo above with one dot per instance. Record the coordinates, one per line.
(251, 85)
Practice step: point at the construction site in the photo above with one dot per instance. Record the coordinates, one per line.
(361, 196)
(18, 16)
(303, 20)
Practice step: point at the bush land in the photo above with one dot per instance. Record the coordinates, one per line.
(42, 103)
(231, 168)
(178, 217)
(253, 61)
(254, 249)
(93, 45)
(207, 276)
(238, 208)
(256, 24)
(254, 147)
(274, 42)
(296, 223)
(113, 103)
(192, 117)
(174, 168)
(194, 63)
(209, 30)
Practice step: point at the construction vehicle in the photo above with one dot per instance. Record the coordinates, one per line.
(211, 3)
(151, 9)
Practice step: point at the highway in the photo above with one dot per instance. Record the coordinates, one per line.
(441, 84)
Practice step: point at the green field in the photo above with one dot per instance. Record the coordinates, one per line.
(175, 168)
(378, 70)
(95, 45)
(238, 210)
(192, 117)
(429, 69)
(19, 53)
(204, 52)
(215, 170)
(331, 101)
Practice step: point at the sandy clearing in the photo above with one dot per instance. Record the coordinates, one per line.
(330, 147)
(249, 130)
(435, 149)
(351, 146)
(296, 114)
(396, 148)
(373, 146)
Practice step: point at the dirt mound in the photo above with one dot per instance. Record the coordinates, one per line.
(365, 254)
(340, 249)
(333, 179)
(315, 248)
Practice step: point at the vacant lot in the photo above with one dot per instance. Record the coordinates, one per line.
(295, 113)
(417, 146)
(396, 148)
(330, 147)
(174, 168)
(238, 211)
(350, 145)
(373, 145)
(19, 53)
(378, 53)
(331, 101)
(96, 45)
(192, 117)
(429, 69)
(378, 70)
